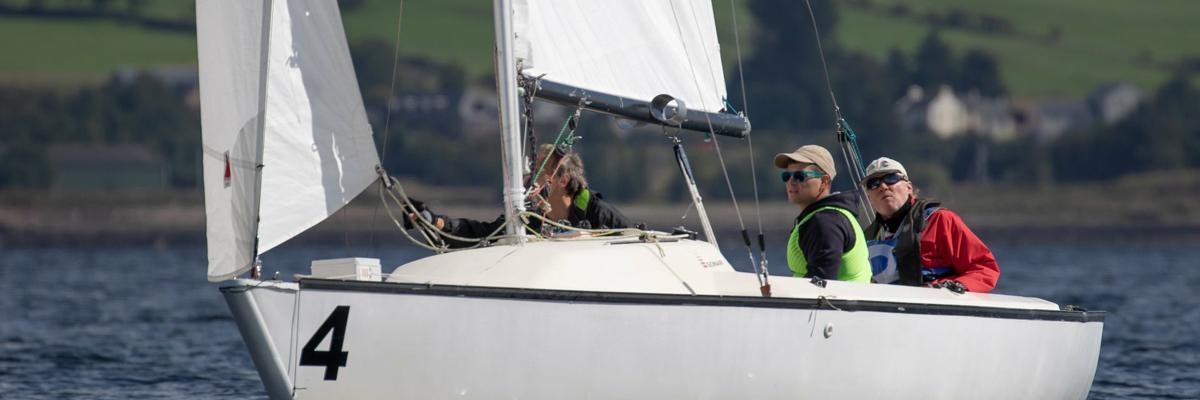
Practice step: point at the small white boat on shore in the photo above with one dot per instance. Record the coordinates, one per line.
(638, 315)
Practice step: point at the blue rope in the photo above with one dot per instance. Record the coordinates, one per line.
(730, 106)
(853, 140)
(568, 129)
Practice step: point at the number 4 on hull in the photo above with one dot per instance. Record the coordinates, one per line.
(334, 358)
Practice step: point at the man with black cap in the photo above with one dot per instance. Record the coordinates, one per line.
(826, 240)
(917, 242)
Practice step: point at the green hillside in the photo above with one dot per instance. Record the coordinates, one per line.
(1054, 48)
(71, 52)
(1100, 40)
(445, 30)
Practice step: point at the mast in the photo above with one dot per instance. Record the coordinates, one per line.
(510, 135)
(261, 129)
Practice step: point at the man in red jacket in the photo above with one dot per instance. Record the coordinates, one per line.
(917, 242)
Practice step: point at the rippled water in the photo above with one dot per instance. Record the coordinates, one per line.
(144, 322)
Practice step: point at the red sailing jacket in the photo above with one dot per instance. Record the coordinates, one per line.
(947, 242)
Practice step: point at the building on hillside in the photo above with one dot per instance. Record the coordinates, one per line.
(990, 116)
(1049, 120)
(942, 114)
(1111, 103)
(180, 78)
(480, 112)
(946, 114)
(116, 167)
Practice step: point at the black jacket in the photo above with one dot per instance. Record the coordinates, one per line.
(907, 226)
(595, 213)
(827, 236)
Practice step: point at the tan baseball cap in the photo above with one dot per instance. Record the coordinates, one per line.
(884, 166)
(810, 154)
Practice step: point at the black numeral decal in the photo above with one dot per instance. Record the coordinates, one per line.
(335, 357)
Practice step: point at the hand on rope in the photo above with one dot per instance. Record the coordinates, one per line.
(420, 208)
(430, 225)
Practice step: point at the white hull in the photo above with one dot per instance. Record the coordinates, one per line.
(438, 341)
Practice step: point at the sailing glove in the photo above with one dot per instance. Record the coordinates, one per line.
(420, 207)
(951, 285)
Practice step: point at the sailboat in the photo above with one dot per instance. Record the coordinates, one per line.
(643, 315)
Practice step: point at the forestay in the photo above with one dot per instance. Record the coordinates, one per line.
(278, 90)
(635, 49)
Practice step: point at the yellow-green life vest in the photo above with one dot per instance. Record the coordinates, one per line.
(855, 266)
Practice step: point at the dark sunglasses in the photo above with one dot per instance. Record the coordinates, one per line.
(800, 175)
(890, 179)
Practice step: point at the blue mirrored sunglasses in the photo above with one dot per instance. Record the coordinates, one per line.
(889, 179)
(800, 175)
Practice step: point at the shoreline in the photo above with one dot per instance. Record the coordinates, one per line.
(184, 226)
(1133, 208)
(728, 237)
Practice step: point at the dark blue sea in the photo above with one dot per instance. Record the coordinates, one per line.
(142, 322)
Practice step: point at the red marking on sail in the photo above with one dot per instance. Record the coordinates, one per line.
(228, 172)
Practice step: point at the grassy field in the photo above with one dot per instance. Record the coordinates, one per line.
(72, 52)
(1101, 40)
(458, 31)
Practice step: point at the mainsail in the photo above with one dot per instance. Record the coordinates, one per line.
(278, 94)
(622, 54)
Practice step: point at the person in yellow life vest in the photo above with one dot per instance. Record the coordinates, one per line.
(826, 241)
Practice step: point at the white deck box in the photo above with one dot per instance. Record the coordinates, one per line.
(356, 268)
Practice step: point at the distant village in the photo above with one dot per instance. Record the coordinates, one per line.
(948, 114)
(944, 113)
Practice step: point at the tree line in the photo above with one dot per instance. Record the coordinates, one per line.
(789, 104)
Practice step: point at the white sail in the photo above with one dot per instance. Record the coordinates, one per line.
(301, 100)
(637, 49)
(229, 40)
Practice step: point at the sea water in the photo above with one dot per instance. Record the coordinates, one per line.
(143, 322)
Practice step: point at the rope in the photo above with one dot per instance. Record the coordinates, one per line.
(398, 188)
(846, 139)
(433, 237)
(821, 51)
(760, 270)
(712, 136)
(737, 41)
(568, 128)
(387, 121)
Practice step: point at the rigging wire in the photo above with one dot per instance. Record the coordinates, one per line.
(762, 247)
(846, 140)
(528, 131)
(569, 129)
(717, 145)
(387, 121)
